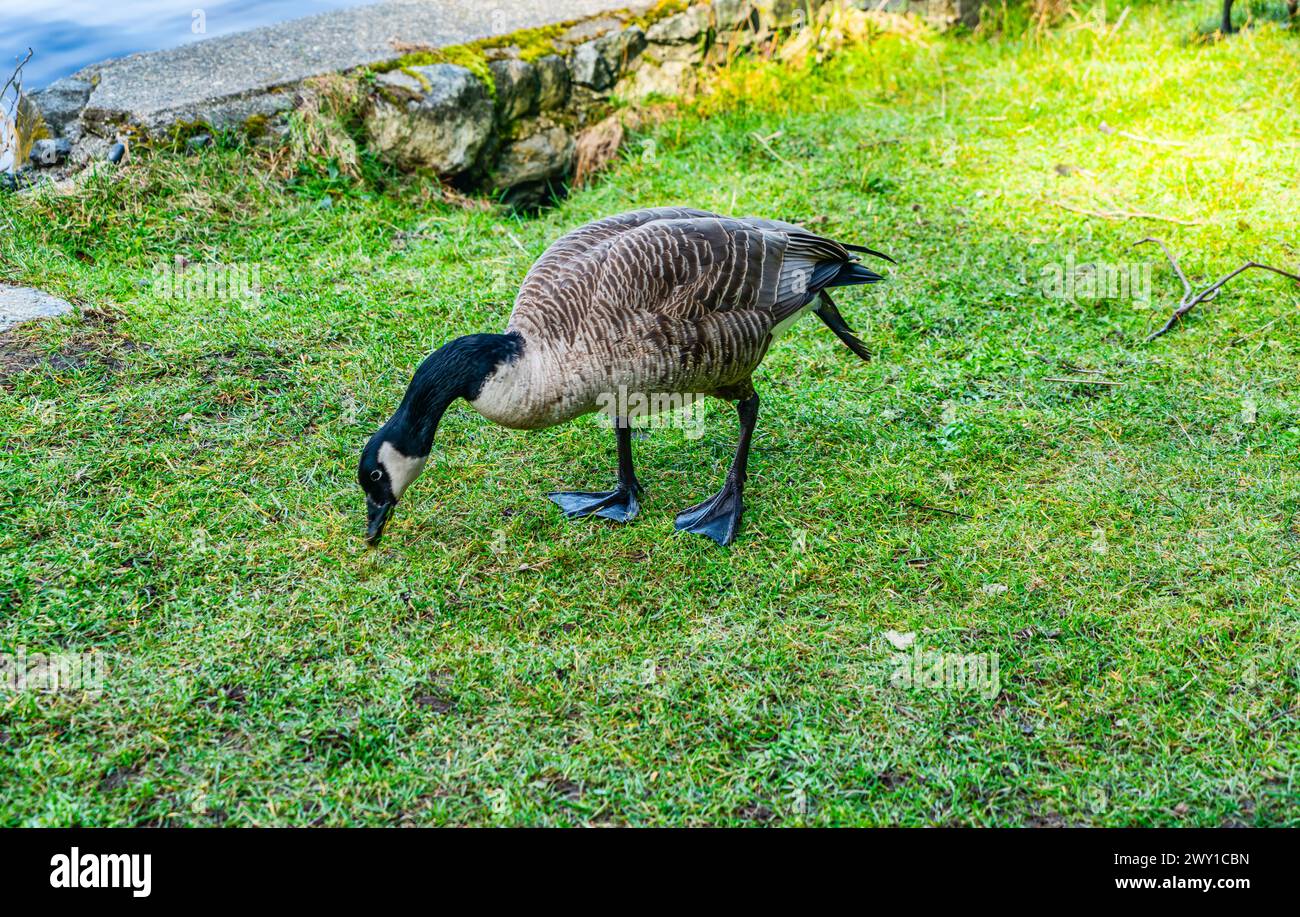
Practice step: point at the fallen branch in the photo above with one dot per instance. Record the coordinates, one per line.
(16, 127)
(16, 78)
(1191, 298)
(763, 141)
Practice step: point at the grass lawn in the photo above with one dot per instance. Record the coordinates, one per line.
(177, 479)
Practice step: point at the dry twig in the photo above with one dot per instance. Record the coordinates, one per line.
(1138, 138)
(765, 144)
(16, 131)
(1190, 297)
(15, 78)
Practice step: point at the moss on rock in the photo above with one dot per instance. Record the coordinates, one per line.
(661, 10)
(533, 44)
(470, 56)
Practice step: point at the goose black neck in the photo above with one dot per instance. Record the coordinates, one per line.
(457, 369)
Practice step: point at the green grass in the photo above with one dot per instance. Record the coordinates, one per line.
(177, 480)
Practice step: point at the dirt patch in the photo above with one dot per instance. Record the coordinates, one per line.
(118, 778)
(437, 702)
(890, 780)
(254, 363)
(18, 354)
(1046, 820)
(94, 342)
(756, 812)
(231, 696)
(563, 787)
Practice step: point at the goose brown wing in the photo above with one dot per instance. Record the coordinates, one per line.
(676, 263)
(697, 266)
(575, 242)
(565, 257)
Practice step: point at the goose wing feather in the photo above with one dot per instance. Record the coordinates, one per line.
(676, 262)
(666, 300)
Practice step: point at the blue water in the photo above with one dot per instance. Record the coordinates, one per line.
(66, 35)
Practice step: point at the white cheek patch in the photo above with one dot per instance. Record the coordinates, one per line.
(402, 469)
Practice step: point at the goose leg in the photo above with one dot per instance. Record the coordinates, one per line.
(619, 504)
(719, 516)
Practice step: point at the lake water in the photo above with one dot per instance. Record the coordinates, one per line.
(66, 35)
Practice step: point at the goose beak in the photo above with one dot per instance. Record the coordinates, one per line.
(376, 516)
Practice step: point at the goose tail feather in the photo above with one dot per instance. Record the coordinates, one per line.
(868, 251)
(851, 273)
(832, 319)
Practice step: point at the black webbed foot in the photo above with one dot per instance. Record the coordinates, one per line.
(717, 517)
(619, 504)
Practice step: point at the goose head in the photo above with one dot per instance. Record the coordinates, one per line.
(397, 453)
(385, 472)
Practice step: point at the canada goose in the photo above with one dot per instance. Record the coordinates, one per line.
(668, 301)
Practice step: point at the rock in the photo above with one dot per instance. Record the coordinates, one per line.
(528, 168)
(509, 51)
(730, 14)
(552, 82)
(784, 14)
(686, 26)
(546, 153)
(116, 153)
(691, 53)
(589, 29)
(666, 79)
(664, 70)
(738, 25)
(270, 107)
(22, 304)
(61, 102)
(517, 87)
(588, 68)
(8, 182)
(598, 63)
(939, 14)
(198, 142)
(436, 117)
(47, 153)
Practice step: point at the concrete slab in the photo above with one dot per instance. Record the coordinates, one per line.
(237, 73)
(22, 304)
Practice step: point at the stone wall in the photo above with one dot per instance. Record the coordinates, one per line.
(517, 125)
(513, 114)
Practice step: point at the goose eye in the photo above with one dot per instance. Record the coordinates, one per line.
(376, 475)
